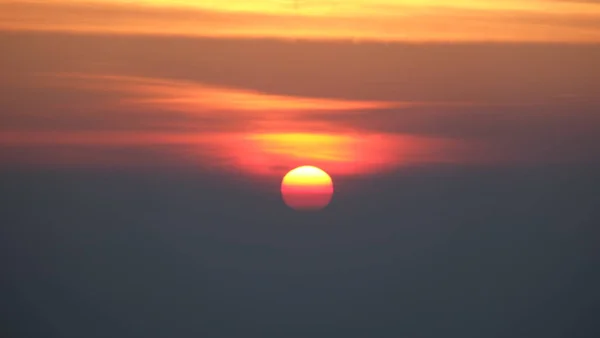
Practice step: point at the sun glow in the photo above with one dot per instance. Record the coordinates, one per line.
(338, 153)
(255, 154)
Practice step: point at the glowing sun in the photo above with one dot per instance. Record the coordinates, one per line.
(307, 188)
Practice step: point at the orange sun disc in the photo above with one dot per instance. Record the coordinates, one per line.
(307, 188)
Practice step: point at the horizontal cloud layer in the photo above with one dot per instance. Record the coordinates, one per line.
(491, 20)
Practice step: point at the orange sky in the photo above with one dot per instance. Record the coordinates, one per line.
(390, 20)
(268, 105)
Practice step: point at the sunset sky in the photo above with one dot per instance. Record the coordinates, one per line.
(487, 82)
(144, 145)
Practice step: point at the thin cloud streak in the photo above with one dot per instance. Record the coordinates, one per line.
(535, 21)
(232, 106)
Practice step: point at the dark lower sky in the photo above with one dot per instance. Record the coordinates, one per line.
(445, 251)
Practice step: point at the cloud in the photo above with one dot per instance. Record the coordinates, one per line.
(155, 103)
(387, 21)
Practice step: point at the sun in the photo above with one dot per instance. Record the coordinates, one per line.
(307, 188)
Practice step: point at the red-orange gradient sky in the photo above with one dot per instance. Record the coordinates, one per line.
(261, 87)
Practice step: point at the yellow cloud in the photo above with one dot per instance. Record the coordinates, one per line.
(400, 20)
